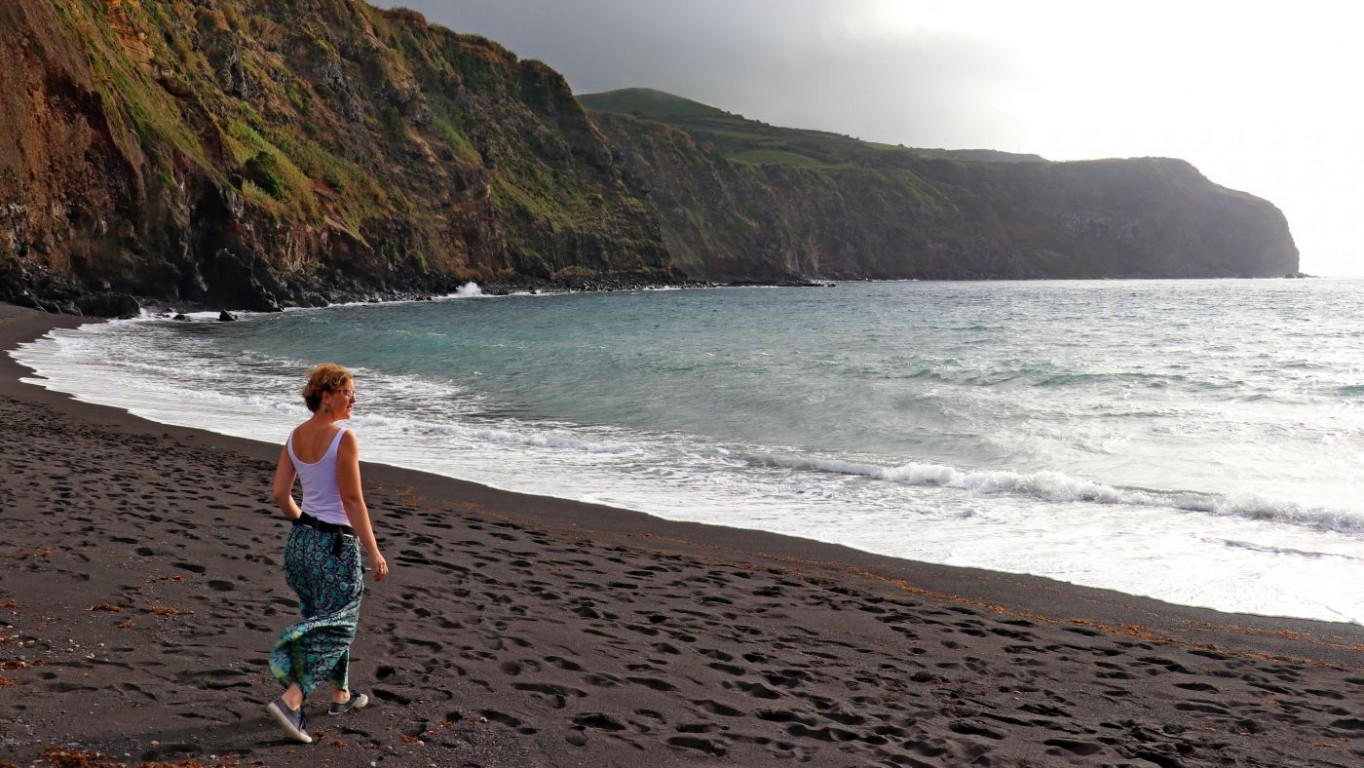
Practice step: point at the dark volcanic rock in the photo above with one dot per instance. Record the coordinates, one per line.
(109, 305)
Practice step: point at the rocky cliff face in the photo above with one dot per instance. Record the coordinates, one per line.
(837, 211)
(259, 153)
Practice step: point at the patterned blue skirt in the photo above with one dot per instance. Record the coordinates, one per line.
(329, 581)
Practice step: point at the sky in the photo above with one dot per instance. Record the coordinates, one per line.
(1262, 96)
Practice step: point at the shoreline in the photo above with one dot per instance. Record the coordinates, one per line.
(529, 630)
(1133, 527)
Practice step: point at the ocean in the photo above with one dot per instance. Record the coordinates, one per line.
(1200, 442)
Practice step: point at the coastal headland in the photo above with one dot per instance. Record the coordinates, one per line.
(259, 155)
(142, 586)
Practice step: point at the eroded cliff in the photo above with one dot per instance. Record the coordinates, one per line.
(260, 153)
(741, 199)
(254, 153)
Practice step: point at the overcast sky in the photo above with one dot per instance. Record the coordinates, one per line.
(1262, 96)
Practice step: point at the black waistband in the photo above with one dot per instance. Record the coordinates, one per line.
(322, 525)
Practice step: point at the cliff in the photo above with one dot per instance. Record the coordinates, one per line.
(740, 199)
(258, 153)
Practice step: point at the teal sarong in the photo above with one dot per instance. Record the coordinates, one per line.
(326, 574)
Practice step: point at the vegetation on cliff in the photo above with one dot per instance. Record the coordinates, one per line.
(259, 153)
(254, 153)
(740, 198)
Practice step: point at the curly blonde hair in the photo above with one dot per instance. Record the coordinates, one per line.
(324, 378)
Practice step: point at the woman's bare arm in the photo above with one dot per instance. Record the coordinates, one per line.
(283, 486)
(353, 498)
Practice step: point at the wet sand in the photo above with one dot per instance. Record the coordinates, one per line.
(141, 587)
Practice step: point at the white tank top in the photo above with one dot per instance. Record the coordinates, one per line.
(321, 494)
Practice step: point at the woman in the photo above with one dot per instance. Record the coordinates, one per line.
(322, 555)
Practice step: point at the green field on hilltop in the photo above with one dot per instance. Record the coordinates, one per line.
(753, 142)
(648, 102)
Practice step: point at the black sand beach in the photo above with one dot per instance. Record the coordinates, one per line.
(141, 587)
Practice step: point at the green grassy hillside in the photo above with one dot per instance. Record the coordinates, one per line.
(754, 142)
(741, 199)
(647, 102)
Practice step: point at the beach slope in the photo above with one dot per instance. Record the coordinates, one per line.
(141, 587)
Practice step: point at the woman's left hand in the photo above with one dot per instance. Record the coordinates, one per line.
(379, 564)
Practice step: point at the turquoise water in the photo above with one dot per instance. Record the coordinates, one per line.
(1200, 442)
